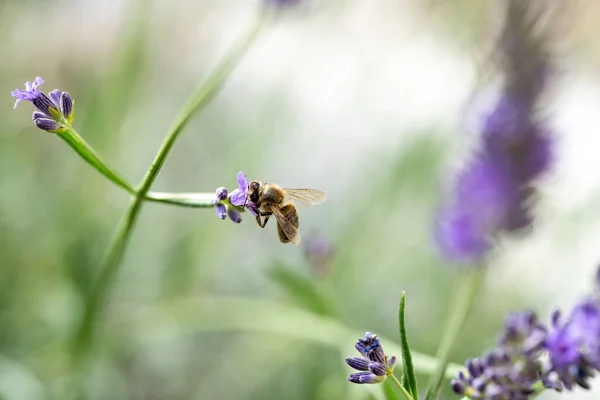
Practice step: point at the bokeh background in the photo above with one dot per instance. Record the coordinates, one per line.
(370, 101)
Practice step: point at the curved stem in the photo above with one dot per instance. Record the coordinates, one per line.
(461, 305)
(402, 389)
(199, 99)
(112, 259)
(89, 154)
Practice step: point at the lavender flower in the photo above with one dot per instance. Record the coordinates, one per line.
(492, 194)
(231, 205)
(530, 356)
(56, 111)
(374, 366)
(319, 252)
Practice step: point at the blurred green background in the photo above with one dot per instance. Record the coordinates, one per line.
(366, 100)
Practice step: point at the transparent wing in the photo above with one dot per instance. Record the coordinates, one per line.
(290, 230)
(308, 197)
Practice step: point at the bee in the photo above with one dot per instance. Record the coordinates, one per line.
(270, 199)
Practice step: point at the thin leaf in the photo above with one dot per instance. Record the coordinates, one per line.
(242, 314)
(409, 380)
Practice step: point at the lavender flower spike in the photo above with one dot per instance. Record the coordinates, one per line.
(374, 366)
(56, 111)
(492, 195)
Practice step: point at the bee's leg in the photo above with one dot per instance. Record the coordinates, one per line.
(266, 214)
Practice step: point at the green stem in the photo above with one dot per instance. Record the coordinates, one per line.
(461, 305)
(199, 99)
(112, 259)
(88, 154)
(195, 200)
(402, 389)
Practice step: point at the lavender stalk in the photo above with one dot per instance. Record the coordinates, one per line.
(111, 261)
(493, 194)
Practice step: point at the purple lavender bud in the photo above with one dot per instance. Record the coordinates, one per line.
(378, 369)
(37, 114)
(358, 363)
(363, 377)
(371, 348)
(475, 367)
(221, 211)
(66, 105)
(391, 362)
(234, 215)
(47, 124)
(220, 195)
(458, 387)
(45, 105)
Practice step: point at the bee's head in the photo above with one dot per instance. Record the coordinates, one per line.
(254, 191)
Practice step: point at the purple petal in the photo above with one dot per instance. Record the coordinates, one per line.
(221, 211)
(37, 82)
(242, 181)
(30, 93)
(238, 197)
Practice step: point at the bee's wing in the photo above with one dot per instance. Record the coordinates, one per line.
(286, 226)
(308, 197)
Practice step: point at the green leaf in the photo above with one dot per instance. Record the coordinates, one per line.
(243, 314)
(301, 289)
(389, 391)
(409, 380)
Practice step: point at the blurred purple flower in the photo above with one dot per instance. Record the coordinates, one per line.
(519, 364)
(375, 366)
(493, 194)
(319, 252)
(54, 112)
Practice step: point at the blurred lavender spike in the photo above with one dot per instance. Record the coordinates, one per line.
(493, 193)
